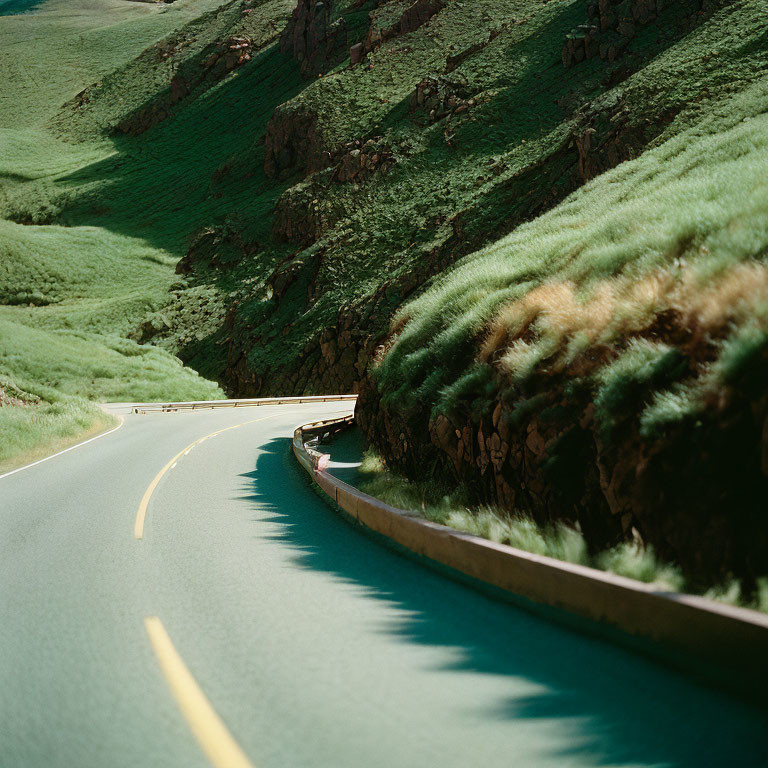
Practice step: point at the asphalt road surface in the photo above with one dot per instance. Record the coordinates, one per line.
(238, 621)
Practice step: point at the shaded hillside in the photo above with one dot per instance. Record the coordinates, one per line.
(320, 195)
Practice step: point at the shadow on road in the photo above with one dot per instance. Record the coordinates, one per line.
(629, 710)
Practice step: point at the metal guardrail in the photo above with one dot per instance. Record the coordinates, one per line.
(722, 644)
(243, 403)
(319, 430)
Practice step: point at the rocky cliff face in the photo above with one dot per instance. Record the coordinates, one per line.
(294, 145)
(313, 38)
(10, 396)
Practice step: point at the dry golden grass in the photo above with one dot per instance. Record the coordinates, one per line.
(545, 322)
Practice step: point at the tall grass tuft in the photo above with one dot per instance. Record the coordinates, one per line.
(449, 507)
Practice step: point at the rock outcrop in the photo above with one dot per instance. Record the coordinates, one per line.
(228, 55)
(214, 248)
(300, 216)
(221, 59)
(357, 161)
(313, 38)
(11, 396)
(612, 25)
(435, 98)
(294, 144)
(414, 16)
(607, 135)
(304, 213)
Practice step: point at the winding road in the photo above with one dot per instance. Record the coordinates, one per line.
(170, 601)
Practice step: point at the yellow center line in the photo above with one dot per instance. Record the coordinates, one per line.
(209, 730)
(141, 515)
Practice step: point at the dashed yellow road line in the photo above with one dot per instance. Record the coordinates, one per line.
(141, 515)
(209, 730)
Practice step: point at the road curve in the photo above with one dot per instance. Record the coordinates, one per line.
(311, 644)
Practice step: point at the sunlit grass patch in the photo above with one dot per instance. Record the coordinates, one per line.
(57, 364)
(36, 430)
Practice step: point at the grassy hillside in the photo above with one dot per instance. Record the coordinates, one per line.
(316, 205)
(680, 230)
(617, 343)
(70, 294)
(605, 363)
(440, 141)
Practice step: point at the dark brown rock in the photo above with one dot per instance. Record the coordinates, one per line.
(436, 98)
(356, 53)
(621, 20)
(414, 16)
(293, 143)
(312, 38)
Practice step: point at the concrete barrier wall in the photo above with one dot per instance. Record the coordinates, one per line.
(725, 644)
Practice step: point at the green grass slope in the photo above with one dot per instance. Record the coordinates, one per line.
(375, 191)
(693, 207)
(70, 295)
(297, 251)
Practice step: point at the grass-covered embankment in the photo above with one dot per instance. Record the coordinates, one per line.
(33, 429)
(605, 363)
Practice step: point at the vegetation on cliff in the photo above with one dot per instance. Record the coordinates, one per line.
(442, 501)
(604, 364)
